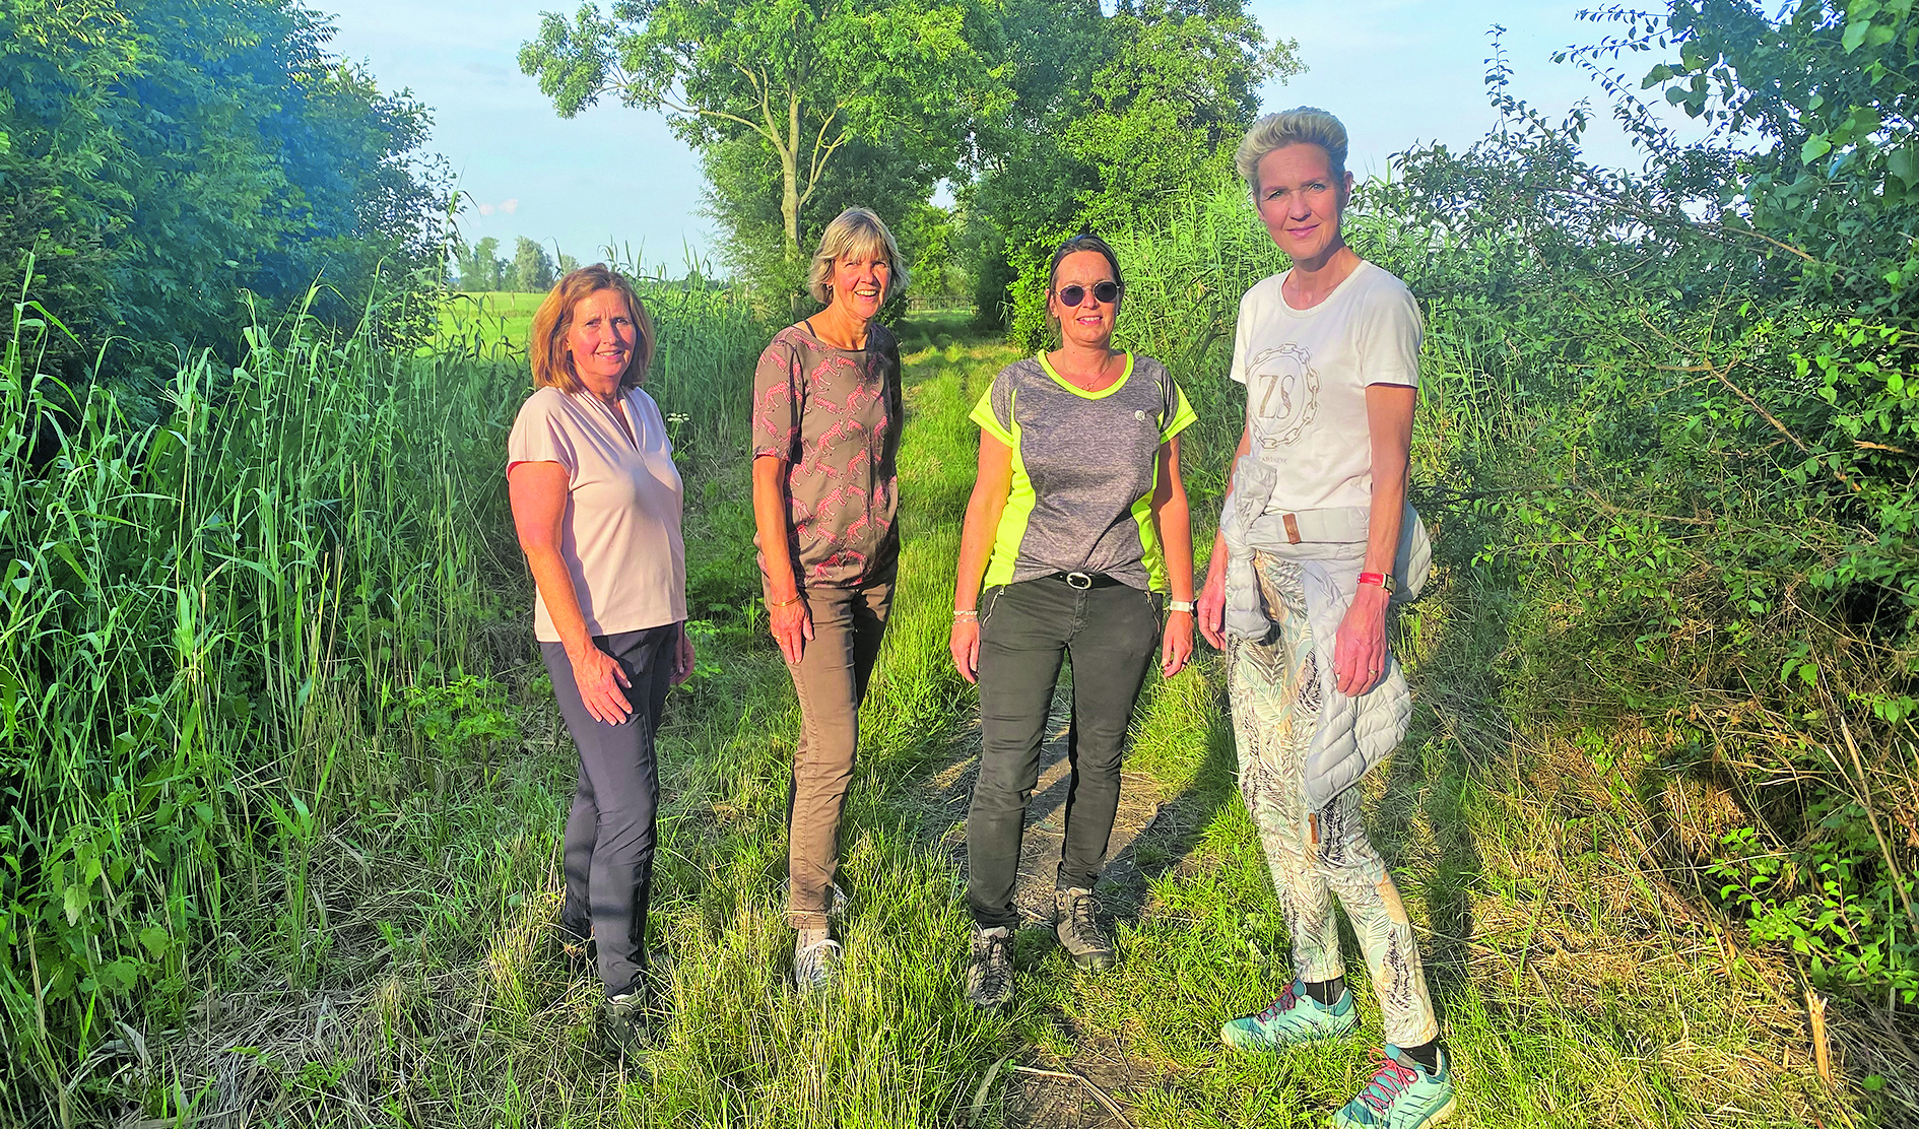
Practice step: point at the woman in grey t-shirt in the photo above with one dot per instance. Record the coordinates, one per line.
(1077, 528)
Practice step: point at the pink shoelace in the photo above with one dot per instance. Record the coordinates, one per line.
(1389, 1080)
(1285, 1002)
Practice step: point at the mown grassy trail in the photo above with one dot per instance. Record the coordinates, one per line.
(1575, 987)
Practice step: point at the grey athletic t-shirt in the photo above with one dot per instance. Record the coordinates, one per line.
(1085, 465)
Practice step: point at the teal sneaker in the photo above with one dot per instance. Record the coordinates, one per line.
(1401, 1095)
(1293, 1018)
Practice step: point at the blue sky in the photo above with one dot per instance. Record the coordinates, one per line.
(1396, 71)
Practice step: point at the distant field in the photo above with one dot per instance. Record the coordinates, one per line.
(496, 322)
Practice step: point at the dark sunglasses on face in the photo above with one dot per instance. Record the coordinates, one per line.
(1105, 293)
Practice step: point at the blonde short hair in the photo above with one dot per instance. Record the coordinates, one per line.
(1301, 125)
(546, 341)
(855, 231)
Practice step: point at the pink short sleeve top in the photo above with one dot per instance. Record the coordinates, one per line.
(620, 536)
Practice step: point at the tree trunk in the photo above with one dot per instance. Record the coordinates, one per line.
(790, 175)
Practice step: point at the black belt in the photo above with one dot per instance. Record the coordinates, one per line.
(1085, 580)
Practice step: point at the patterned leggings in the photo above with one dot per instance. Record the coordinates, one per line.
(1275, 690)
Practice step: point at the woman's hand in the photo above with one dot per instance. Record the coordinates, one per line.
(600, 679)
(792, 627)
(1176, 647)
(1212, 609)
(1359, 648)
(683, 657)
(964, 643)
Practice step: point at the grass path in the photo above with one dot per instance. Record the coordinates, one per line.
(1576, 987)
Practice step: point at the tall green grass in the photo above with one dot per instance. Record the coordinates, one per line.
(232, 641)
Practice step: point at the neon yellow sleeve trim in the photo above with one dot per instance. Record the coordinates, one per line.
(1020, 500)
(1183, 416)
(988, 422)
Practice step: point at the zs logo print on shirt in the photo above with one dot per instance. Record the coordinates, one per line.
(1283, 394)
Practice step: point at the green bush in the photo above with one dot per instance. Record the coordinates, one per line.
(162, 161)
(1685, 455)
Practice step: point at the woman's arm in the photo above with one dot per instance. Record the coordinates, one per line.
(1175, 524)
(537, 493)
(1359, 649)
(990, 490)
(787, 616)
(1212, 601)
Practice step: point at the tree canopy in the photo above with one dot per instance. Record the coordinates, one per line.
(1109, 116)
(801, 78)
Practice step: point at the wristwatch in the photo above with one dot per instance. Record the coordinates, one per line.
(1180, 605)
(1381, 579)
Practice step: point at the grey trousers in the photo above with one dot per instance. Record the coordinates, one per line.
(1026, 631)
(610, 832)
(830, 678)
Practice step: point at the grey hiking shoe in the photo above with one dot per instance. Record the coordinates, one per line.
(816, 959)
(626, 1022)
(989, 974)
(1078, 929)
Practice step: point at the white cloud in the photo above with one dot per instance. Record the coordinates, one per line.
(486, 209)
(510, 206)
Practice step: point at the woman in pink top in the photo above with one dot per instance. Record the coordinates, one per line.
(826, 427)
(596, 502)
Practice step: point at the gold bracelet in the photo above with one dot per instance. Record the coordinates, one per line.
(784, 604)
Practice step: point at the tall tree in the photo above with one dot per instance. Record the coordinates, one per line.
(803, 78)
(484, 267)
(1109, 114)
(532, 266)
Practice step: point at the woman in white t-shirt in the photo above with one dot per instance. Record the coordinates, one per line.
(1313, 533)
(596, 502)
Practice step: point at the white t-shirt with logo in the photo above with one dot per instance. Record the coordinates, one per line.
(1306, 373)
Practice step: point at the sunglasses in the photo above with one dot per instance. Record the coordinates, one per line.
(1105, 293)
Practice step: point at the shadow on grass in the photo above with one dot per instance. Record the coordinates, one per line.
(1172, 841)
(1457, 731)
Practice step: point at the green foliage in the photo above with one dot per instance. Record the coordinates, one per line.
(462, 717)
(165, 158)
(929, 238)
(1812, 113)
(532, 267)
(1110, 116)
(800, 78)
(744, 195)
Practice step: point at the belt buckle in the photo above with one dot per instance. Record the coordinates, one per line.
(1077, 580)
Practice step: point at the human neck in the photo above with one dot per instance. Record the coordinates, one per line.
(839, 328)
(1081, 364)
(1311, 280)
(605, 388)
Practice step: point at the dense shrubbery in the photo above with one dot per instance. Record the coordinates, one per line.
(164, 160)
(1677, 419)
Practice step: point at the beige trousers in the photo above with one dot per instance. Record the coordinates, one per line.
(831, 677)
